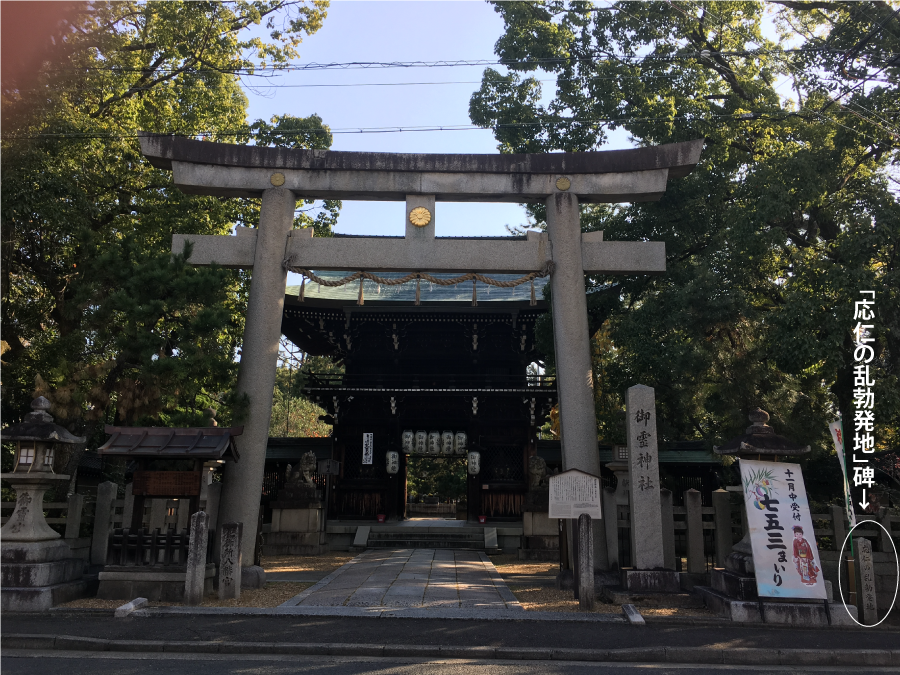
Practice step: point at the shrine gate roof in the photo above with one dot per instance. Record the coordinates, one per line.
(406, 293)
(679, 158)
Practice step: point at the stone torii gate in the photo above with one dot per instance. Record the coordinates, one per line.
(282, 177)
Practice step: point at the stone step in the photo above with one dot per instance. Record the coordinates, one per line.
(425, 543)
(426, 535)
(432, 530)
(621, 596)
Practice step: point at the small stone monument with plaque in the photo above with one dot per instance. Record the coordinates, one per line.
(576, 495)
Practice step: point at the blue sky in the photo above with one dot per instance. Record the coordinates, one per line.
(397, 31)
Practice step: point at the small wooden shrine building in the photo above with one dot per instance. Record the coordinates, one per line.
(444, 363)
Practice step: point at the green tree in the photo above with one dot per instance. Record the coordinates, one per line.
(96, 312)
(293, 413)
(443, 477)
(792, 211)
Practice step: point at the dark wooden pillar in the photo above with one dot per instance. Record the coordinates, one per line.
(473, 496)
(403, 486)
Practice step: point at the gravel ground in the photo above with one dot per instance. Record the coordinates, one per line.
(510, 564)
(540, 598)
(326, 562)
(549, 599)
(272, 595)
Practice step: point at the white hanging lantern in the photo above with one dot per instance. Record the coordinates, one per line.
(447, 443)
(392, 460)
(421, 442)
(434, 443)
(459, 443)
(474, 461)
(407, 441)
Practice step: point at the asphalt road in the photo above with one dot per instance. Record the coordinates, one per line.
(450, 632)
(158, 664)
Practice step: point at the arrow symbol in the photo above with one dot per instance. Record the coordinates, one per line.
(865, 502)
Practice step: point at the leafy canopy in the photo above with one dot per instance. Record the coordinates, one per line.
(792, 211)
(97, 314)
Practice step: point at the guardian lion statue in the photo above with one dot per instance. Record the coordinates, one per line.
(302, 475)
(537, 472)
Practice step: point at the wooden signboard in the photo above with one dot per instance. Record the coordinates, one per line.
(167, 483)
(574, 492)
(329, 467)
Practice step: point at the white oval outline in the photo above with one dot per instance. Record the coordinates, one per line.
(841, 557)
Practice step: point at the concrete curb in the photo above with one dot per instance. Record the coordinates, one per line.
(129, 607)
(683, 655)
(633, 615)
(444, 613)
(506, 595)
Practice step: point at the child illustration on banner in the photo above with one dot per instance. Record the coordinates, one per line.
(804, 559)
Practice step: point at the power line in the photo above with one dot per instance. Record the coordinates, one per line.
(393, 84)
(441, 127)
(370, 65)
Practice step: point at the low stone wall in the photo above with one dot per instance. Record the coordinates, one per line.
(885, 576)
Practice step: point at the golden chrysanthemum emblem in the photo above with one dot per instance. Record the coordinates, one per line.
(563, 183)
(420, 216)
(277, 179)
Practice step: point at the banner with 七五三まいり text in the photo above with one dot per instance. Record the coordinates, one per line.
(785, 554)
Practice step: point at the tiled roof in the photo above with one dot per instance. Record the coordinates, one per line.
(165, 442)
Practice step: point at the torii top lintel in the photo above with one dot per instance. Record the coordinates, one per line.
(222, 169)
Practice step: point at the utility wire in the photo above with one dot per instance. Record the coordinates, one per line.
(369, 65)
(444, 127)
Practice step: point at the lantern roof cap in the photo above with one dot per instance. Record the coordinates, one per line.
(39, 426)
(760, 439)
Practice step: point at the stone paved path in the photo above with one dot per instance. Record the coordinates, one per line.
(423, 578)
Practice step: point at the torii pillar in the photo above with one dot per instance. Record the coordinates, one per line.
(281, 177)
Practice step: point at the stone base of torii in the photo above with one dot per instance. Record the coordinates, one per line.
(281, 177)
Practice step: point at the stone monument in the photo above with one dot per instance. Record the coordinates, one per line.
(867, 599)
(648, 571)
(195, 583)
(230, 562)
(38, 569)
(298, 526)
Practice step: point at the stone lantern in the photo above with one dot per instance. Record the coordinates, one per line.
(758, 441)
(38, 569)
(733, 591)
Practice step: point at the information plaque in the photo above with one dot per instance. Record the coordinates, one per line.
(574, 492)
(368, 448)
